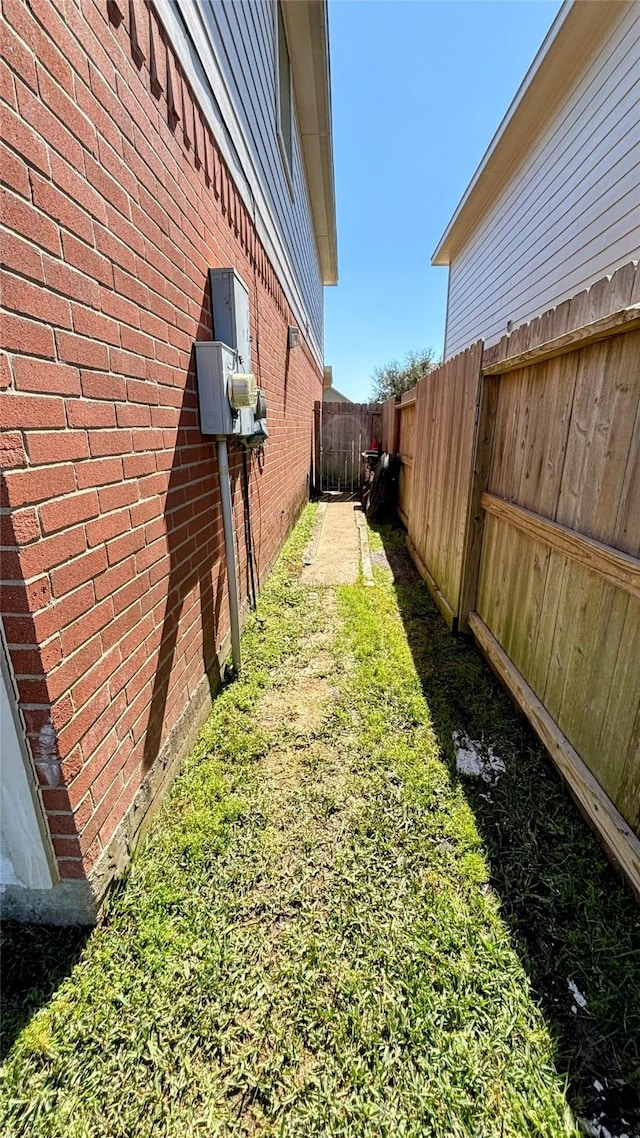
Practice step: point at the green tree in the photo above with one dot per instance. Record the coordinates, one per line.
(399, 376)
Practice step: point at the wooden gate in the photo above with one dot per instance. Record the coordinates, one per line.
(343, 432)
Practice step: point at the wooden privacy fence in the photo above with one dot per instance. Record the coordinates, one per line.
(521, 498)
(343, 431)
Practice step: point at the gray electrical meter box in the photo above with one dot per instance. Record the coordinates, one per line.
(216, 368)
(230, 312)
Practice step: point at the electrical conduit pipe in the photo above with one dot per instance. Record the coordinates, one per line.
(230, 550)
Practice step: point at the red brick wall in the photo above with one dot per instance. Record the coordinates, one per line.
(114, 594)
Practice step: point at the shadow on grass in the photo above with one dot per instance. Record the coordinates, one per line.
(34, 960)
(572, 920)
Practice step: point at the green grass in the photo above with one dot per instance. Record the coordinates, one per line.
(315, 938)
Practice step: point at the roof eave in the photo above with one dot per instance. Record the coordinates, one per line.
(308, 36)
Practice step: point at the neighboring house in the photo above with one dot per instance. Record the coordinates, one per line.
(555, 203)
(330, 394)
(143, 143)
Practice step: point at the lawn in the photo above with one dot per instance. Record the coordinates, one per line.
(329, 930)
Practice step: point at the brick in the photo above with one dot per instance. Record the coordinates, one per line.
(19, 61)
(83, 570)
(114, 578)
(29, 299)
(108, 99)
(148, 439)
(26, 411)
(92, 766)
(98, 471)
(115, 250)
(12, 452)
(82, 629)
(45, 554)
(110, 442)
(128, 286)
(125, 621)
(13, 172)
(57, 446)
(139, 391)
(91, 413)
(64, 847)
(25, 598)
(121, 309)
(97, 385)
(108, 526)
(133, 415)
(70, 282)
(29, 222)
(126, 363)
(107, 187)
(20, 137)
(80, 256)
(65, 675)
(64, 512)
(27, 336)
(113, 497)
(42, 45)
(96, 112)
(67, 111)
(75, 185)
(71, 869)
(119, 548)
(46, 377)
(81, 350)
(102, 727)
(22, 257)
(61, 208)
(96, 678)
(138, 342)
(19, 527)
(88, 322)
(37, 661)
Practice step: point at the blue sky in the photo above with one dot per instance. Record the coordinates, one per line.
(419, 88)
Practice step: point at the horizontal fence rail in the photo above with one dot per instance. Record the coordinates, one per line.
(520, 492)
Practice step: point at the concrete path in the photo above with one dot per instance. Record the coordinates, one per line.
(334, 553)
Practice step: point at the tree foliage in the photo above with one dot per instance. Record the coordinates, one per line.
(399, 376)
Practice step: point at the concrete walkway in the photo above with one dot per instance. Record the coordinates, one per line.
(338, 545)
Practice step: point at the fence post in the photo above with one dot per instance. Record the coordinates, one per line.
(317, 452)
(486, 405)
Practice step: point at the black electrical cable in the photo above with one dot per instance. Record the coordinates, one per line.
(248, 532)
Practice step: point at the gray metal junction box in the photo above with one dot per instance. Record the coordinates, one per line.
(230, 313)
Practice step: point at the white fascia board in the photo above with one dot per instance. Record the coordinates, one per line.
(564, 54)
(185, 29)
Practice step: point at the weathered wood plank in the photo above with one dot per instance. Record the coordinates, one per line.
(620, 569)
(613, 324)
(622, 845)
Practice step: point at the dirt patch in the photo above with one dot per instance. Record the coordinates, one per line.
(302, 707)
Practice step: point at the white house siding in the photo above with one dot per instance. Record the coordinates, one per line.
(569, 215)
(228, 52)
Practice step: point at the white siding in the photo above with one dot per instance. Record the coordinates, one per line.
(228, 51)
(569, 215)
